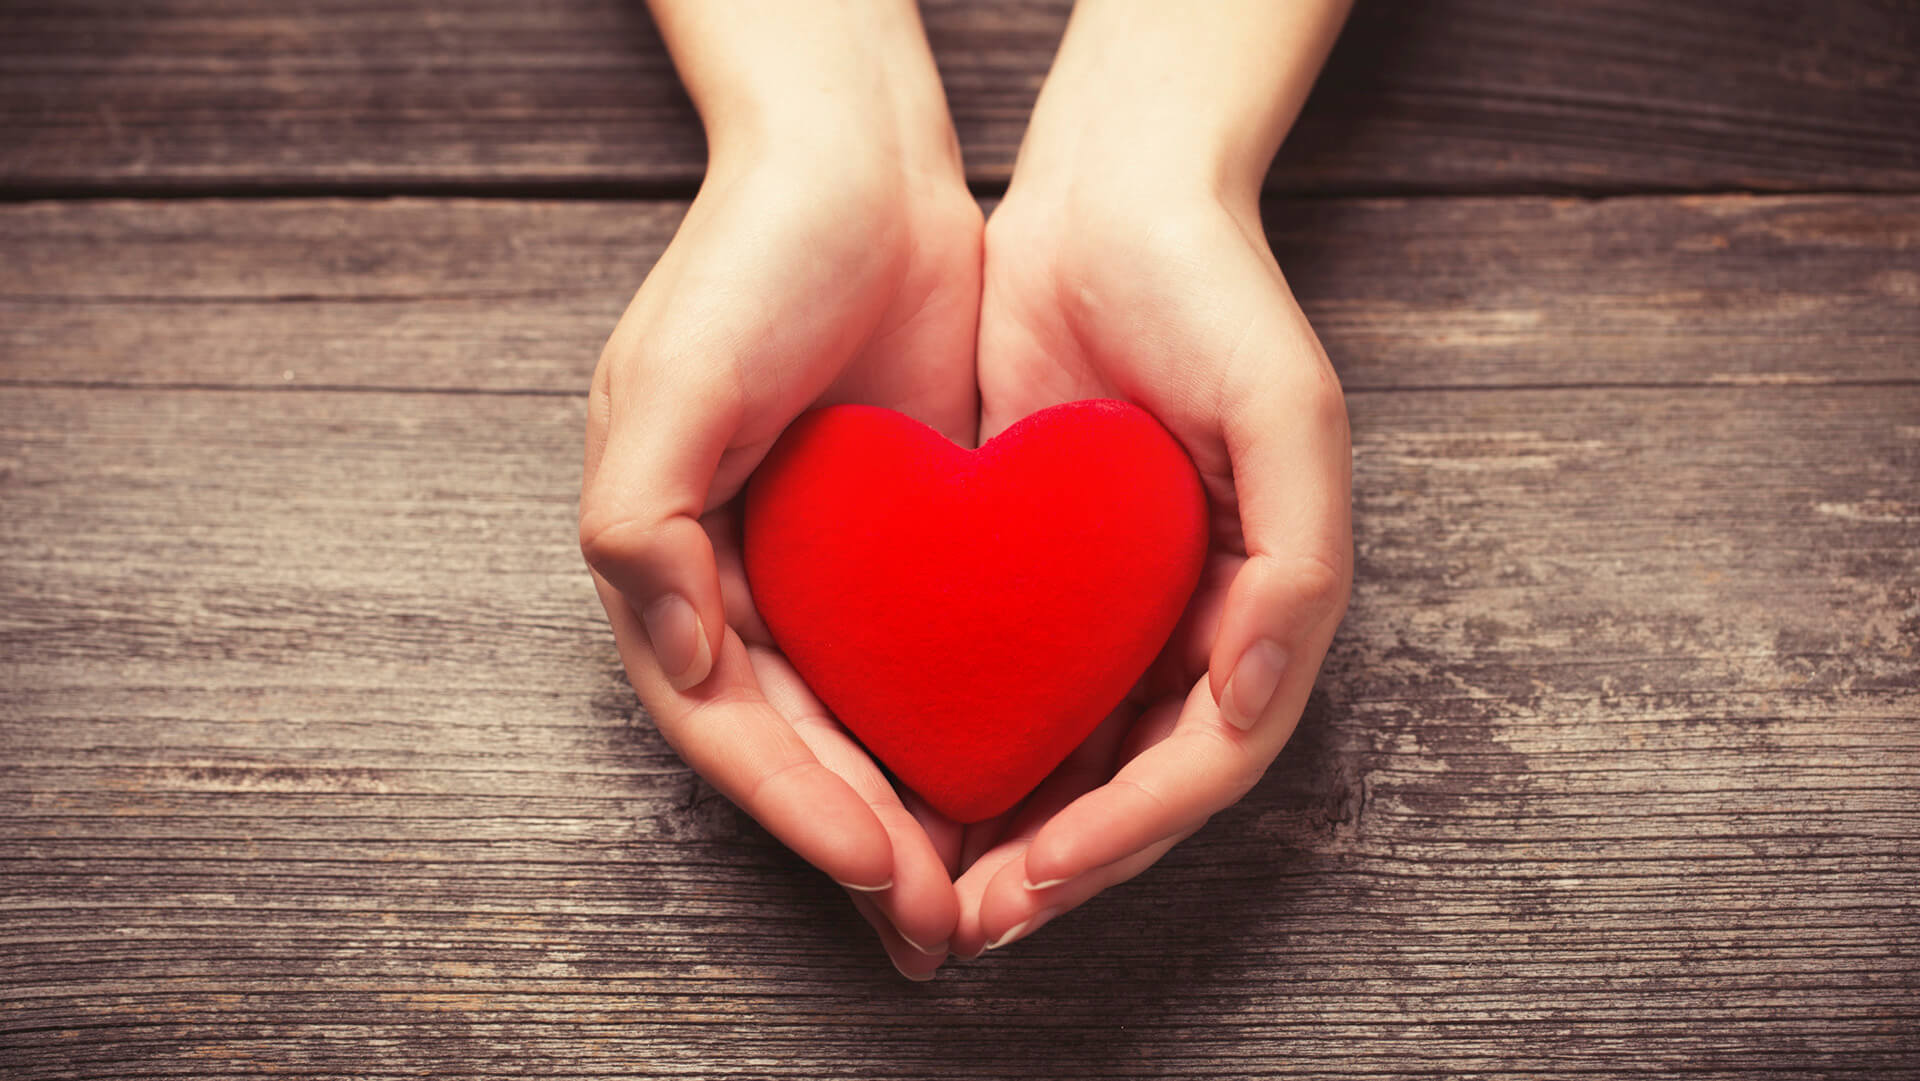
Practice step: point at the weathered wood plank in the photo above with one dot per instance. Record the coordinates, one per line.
(1595, 95)
(510, 295)
(314, 757)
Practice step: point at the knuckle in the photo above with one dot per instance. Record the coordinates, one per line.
(1320, 576)
(1156, 803)
(1241, 772)
(1313, 391)
(621, 350)
(758, 789)
(1312, 587)
(611, 537)
(1246, 775)
(713, 710)
(1240, 782)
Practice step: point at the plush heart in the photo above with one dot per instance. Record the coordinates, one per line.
(972, 615)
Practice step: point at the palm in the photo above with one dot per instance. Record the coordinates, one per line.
(838, 301)
(916, 357)
(765, 306)
(908, 316)
(1181, 320)
(918, 360)
(1125, 335)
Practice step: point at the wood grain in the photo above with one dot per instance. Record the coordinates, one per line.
(512, 295)
(315, 759)
(1454, 95)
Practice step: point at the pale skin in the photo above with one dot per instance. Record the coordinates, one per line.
(834, 254)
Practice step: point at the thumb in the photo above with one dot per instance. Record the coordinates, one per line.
(1292, 479)
(651, 458)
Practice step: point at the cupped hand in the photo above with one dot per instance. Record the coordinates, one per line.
(1171, 299)
(798, 280)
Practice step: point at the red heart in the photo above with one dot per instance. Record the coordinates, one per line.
(972, 615)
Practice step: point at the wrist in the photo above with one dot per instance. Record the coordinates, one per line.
(813, 84)
(1141, 163)
(895, 126)
(1159, 101)
(1087, 179)
(855, 144)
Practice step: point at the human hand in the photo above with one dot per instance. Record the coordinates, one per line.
(831, 255)
(1121, 265)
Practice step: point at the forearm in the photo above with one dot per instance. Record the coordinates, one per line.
(848, 77)
(1207, 91)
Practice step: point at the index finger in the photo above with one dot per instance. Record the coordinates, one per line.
(1172, 787)
(727, 731)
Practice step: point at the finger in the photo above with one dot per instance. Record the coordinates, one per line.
(1154, 726)
(730, 735)
(1292, 467)
(1089, 764)
(947, 835)
(1169, 789)
(969, 938)
(1191, 643)
(907, 958)
(1082, 842)
(736, 593)
(921, 905)
(652, 447)
(1011, 912)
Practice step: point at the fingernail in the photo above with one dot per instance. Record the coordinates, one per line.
(881, 888)
(1024, 928)
(679, 641)
(901, 969)
(1012, 933)
(1047, 885)
(938, 951)
(1251, 687)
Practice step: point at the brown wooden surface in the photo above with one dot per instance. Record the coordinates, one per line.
(316, 759)
(337, 771)
(1592, 95)
(517, 295)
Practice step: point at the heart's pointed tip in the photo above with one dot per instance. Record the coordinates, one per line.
(970, 806)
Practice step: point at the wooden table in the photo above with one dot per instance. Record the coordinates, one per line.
(315, 755)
